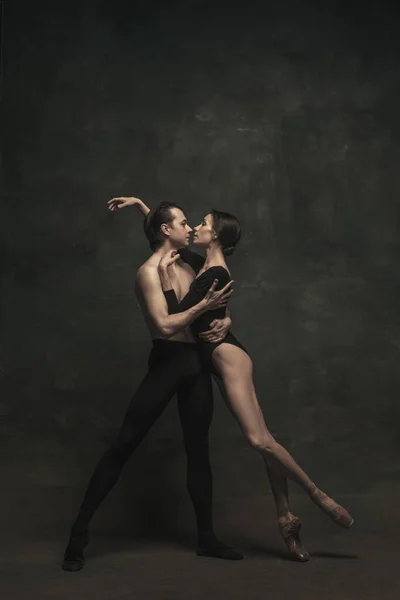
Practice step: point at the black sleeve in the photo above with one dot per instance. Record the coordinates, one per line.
(192, 259)
(172, 301)
(191, 299)
(197, 291)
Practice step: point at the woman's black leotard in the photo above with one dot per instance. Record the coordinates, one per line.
(198, 289)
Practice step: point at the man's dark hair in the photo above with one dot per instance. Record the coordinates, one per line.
(227, 228)
(153, 221)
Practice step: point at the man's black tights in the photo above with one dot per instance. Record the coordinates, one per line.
(174, 368)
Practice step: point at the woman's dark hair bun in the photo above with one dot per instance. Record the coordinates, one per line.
(227, 228)
(229, 250)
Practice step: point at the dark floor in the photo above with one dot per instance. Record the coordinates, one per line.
(358, 564)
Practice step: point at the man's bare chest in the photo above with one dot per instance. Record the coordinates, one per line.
(181, 278)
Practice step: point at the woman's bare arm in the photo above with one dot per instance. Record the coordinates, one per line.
(116, 203)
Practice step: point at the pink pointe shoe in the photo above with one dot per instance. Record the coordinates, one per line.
(337, 513)
(289, 528)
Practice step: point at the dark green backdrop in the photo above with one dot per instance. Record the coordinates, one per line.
(286, 115)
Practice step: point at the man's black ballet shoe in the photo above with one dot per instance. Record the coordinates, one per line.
(73, 564)
(290, 530)
(220, 551)
(73, 555)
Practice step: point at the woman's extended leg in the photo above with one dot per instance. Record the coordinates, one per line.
(289, 525)
(277, 479)
(236, 369)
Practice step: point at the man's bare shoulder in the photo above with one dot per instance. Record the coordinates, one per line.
(148, 271)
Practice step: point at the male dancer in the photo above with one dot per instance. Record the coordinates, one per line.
(174, 368)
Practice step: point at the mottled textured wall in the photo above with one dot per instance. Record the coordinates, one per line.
(287, 116)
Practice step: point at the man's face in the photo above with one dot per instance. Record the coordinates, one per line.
(178, 230)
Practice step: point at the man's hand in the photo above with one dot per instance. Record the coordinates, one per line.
(218, 330)
(167, 260)
(116, 203)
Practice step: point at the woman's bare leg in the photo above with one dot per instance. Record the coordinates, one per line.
(277, 480)
(289, 525)
(278, 483)
(236, 369)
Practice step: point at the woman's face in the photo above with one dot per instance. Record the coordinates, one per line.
(204, 233)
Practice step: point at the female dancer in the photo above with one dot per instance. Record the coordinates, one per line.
(218, 234)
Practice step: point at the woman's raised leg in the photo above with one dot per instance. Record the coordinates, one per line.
(236, 370)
